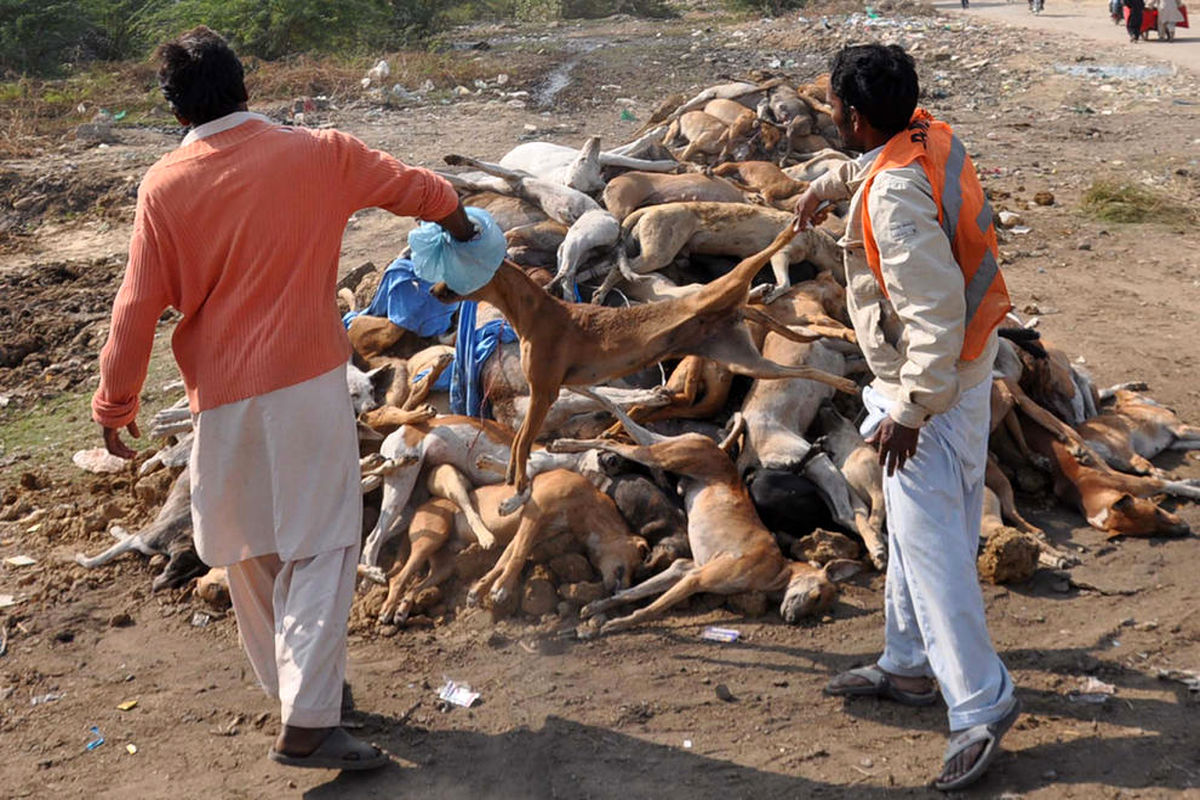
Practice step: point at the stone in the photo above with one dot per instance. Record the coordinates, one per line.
(1009, 556)
(571, 568)
(581, 593)
(723, 694)
(1009, 219)
(121, 620)
(822, 546)
(1044, 198)
(95, 133)
(213, 589)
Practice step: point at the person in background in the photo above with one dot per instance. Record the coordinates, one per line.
(925, 294)
(1133, 23)
(240, 230)
(1169, 16)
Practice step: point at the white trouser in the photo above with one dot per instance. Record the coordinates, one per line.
(934, 618)
(293, 617)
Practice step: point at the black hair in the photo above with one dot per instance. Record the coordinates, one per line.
(878, 81)
(200, 76)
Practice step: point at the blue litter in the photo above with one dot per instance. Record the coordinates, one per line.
(97, 741)
(404, 299)
(473, 347)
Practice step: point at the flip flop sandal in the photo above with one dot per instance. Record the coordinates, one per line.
(961, 740)
(340, 750)
(879, 685)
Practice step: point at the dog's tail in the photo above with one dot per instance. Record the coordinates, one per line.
(1027, 339)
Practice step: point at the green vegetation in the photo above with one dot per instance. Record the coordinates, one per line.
(1115, 201)
(51, 37)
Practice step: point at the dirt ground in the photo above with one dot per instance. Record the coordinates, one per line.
(1041, 109)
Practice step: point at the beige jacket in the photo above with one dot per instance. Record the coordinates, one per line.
(911, 341)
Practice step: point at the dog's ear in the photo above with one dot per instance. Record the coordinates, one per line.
(840, 569)
(643, 547)
(1124, 503)
(381, 380)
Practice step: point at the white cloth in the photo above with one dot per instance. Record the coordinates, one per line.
(293, 617)
(277, 473)
(221, 124)
(934, 617)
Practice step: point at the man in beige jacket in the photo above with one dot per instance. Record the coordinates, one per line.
(926, 325)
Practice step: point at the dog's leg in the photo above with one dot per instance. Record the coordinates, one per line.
(647, 588)
(641, 435)
(425, 543)
(1063, 432)
(701, 579)
(418, 392)
(1187, 489)
(1187, 437)
(393, 512)
(1129, 386)
(540, 401)
(736, 352)
(446, 481)
(127, 542)
(516, 554)
(441, 567)
(735, 433)
(511, 177)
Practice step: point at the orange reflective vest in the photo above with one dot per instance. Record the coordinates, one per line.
(964, 214)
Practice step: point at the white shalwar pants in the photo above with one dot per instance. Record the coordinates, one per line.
(934, 618)
(276, 500)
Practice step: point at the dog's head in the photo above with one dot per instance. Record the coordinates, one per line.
(443, 293)
(368, 389)
(619, 559)
(812, 590)
(1127, 515)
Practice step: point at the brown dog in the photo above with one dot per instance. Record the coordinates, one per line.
(562, 503)
(776, 186)
(1110, 501)
(1135, 429)
(733, 552)
(572, 344)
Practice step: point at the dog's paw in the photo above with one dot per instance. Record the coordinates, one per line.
(774, 294)
(757, 294)
(386, 616)
(499, 596)
(513, 503)
(473, 598)
(486, 540)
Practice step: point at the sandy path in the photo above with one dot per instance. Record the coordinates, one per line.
(1088, 20)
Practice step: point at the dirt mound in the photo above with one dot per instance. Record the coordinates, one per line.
(52, 324)
(29, 197)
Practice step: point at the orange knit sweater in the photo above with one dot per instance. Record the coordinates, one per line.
(241, 232)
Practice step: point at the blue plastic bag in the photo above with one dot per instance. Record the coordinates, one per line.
(404, 298)
(464, 266)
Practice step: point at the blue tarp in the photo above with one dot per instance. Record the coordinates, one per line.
(404, 299)
(473, 347)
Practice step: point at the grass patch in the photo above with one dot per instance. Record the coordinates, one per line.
(1117, 201)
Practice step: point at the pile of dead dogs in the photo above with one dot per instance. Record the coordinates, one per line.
(674, 427)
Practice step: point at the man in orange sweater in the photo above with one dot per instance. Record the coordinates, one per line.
(240, 229)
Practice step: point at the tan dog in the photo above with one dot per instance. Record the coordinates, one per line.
(626, 193)
(728, 229)
(571, 344)
(776, 187)
(1135, 429)
(562, 503)
(732, 551)
(1110, 501)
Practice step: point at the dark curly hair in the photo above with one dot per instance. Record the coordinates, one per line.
(879, 81)
(200, 76)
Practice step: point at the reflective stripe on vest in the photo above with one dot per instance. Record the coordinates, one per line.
(952, 178)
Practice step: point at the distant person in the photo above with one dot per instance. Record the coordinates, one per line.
(240, 229)
(1133, 22)
(1169, 16)
(1115, 8)
(925, 295)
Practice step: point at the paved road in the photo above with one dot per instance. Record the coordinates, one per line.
(1089, 19)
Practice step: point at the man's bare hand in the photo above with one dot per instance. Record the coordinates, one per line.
(458, 224)
(897, 443)
(113, 443)
(809, 211)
